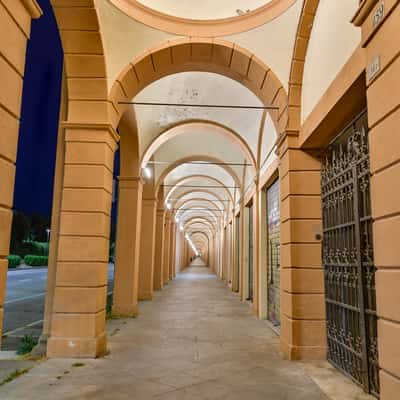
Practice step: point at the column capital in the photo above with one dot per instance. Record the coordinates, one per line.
(149, 202)
(93, 133)
(33, 8)
(130, 182)
(91, 126)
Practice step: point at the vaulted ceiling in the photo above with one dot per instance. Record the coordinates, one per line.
(205, 157)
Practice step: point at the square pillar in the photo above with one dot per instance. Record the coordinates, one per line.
(147, 249)
(15, 22)
(303, 327)
(167, 248)
(172, 251)
(159, 249)
(256, 264)
(78, 315)
(127, 247)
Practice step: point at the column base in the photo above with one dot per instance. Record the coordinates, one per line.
(294, 353)
(145, 296)
(124, 312)
(41, 348)
(58, 347)
(158, 287)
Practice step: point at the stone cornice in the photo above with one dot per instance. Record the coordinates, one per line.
(363, 11)
(131, 179)
(91, 126)
(33, 8)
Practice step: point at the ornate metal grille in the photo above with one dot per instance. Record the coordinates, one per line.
(273, 272)
(348, 257)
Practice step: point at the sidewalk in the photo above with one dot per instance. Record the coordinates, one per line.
(194, 341)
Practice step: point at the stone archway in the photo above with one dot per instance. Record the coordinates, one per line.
(78, 310)
(176, 164)
(196, 54)
(191, 177)
(187, 127)
(90, 142)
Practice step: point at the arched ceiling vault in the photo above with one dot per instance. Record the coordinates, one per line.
(187, 127)
(200, 206)
(200, 181)
(199, 221)
(203, 193)
(200, 218)
(196, 158)
(175, 141)
(203, 18)
(191, 216)
(205, 197)
(201, 201)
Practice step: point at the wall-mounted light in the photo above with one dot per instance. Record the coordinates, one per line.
(169, 205)
(176, 219)
(181, 228)
(147, 172)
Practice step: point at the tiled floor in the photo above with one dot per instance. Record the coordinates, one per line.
(195, 340)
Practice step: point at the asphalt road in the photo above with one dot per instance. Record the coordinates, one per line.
(25, 295)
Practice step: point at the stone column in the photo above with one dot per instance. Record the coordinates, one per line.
(303, 333)
(147, 249)
(127, 247)
(174, 261)
(40, 349)
(244, 293)
(224, 252)
(211, 254)
(256, 264)
(263, 255)
(15, 22)
(78, 319)
(159, 248)
(180, 250)
(167, 247)
(186, 253)
(234, 244)
(172, 251)
(241, 249)
(380, 36)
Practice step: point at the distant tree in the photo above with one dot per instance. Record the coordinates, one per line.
(21, 227)
(39, 224)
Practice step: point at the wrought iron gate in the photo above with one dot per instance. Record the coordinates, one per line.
(273, 271)
(348, 260)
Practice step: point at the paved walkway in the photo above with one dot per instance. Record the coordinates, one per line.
(194, 341)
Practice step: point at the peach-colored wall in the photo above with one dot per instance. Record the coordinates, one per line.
(383, 96)
(333, 40)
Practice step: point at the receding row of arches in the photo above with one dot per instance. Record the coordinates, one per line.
(192, 180)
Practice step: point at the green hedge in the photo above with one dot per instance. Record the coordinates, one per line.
(13, 261)
(30, 248)
(36, 261)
